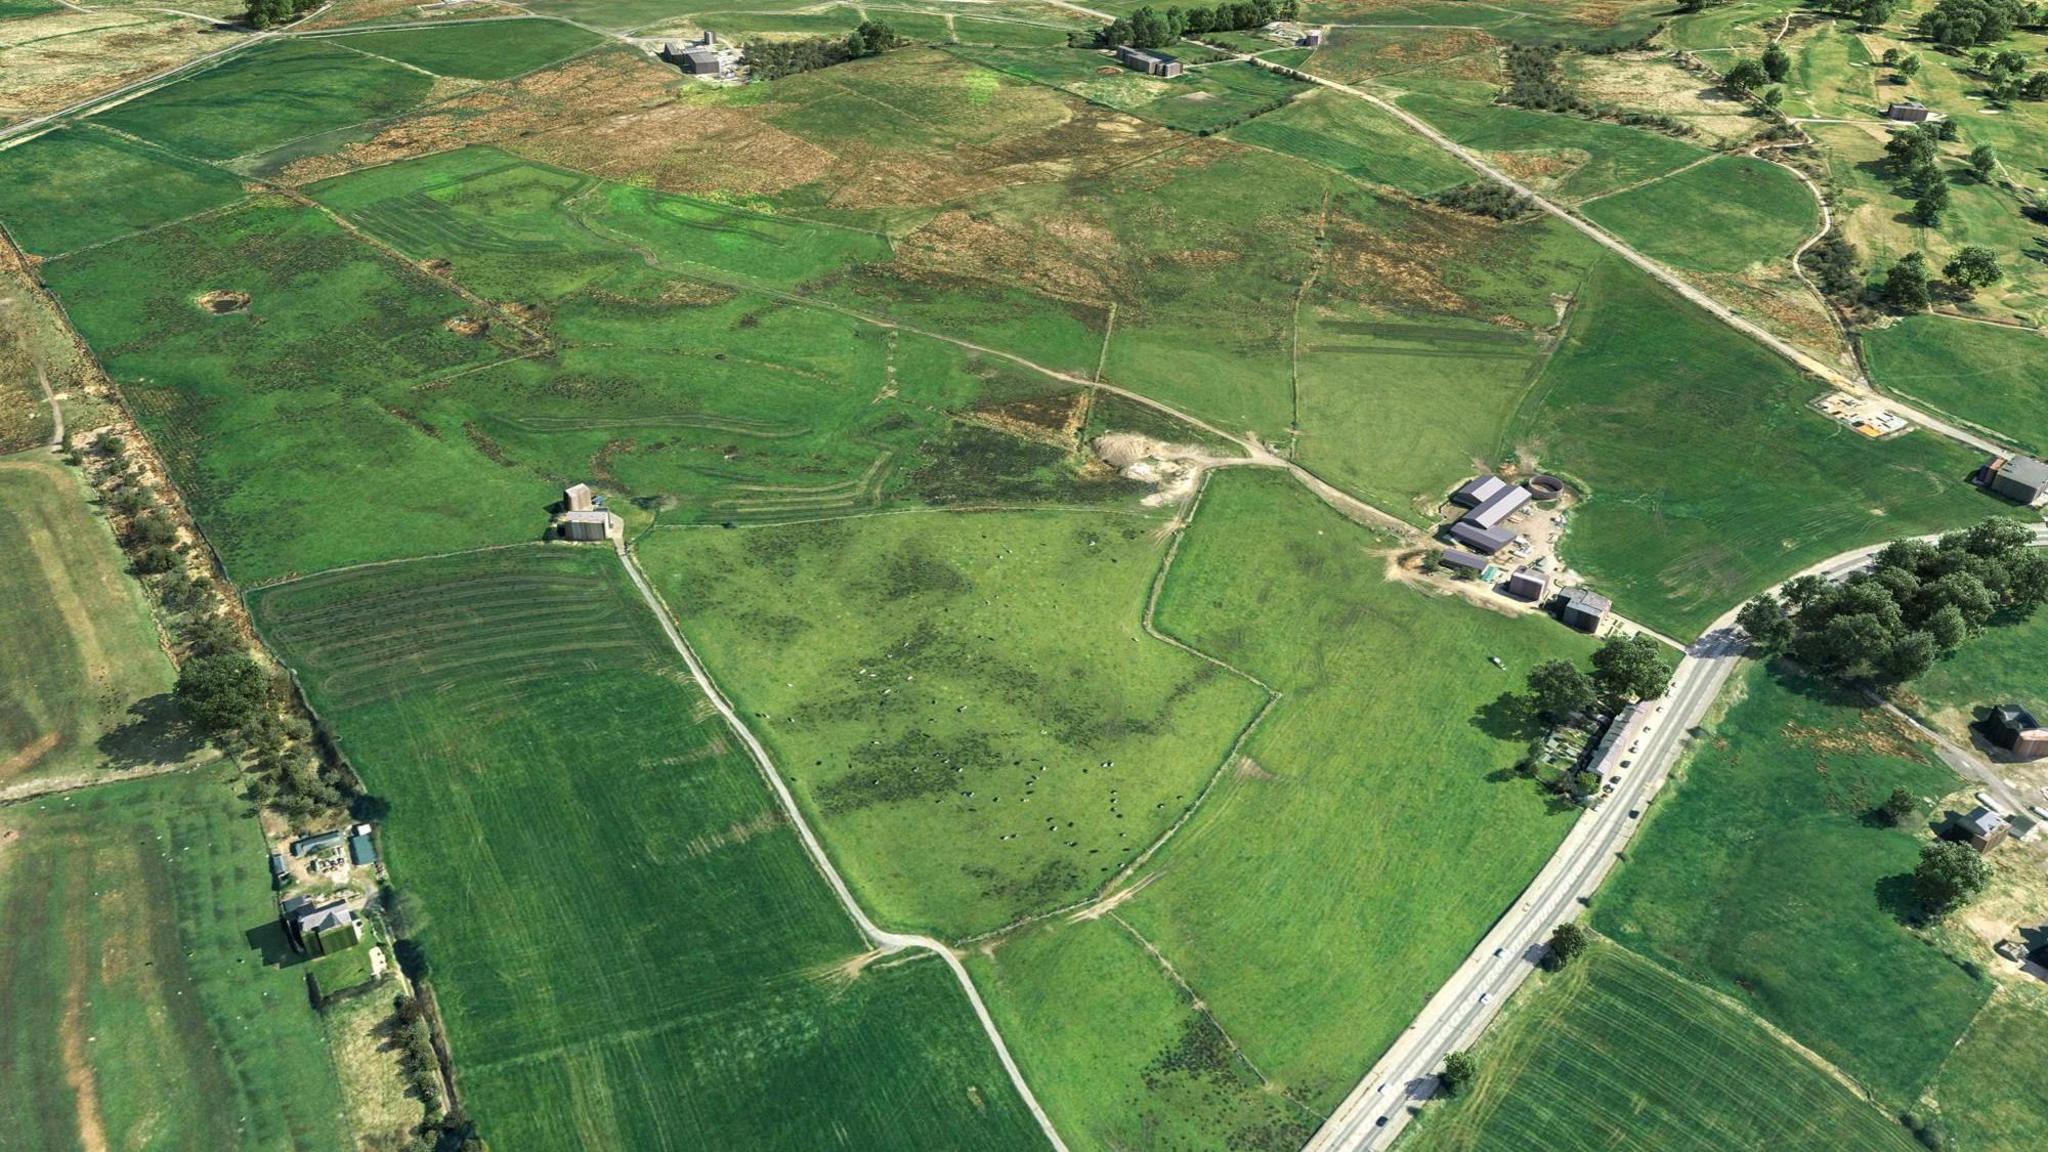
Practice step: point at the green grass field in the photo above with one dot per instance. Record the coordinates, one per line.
(966, 701)
(285, 423)
(76, 186)
(1617, 1054)
(1353, 137)
(1373, 830)
(269, 96)
(88, 688)
(1996, 377)
(1709, 477)
(137, 1009)
(1116, 1052)
(1764, 877)
(1574, 158)
(629, 946)
(1204, 100)
(1990, 1101)
(490, 50)
(1723, 216)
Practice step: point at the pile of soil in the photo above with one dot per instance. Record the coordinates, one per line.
(222, 303)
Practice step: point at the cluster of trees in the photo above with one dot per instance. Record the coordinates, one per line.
(1625, 669)
(1486, 198)
(268, 13)
(1149, 28)
(1567, 943)
(1968, 23)
(1914, 159)
(1949, 876)
(2005, 73)
(1915, 604)
(224, 693)
(439, 1130)
(1535, 81)
(1869, 13)
(1835, 265)
(1906, 64)
(773, 59)
(1908, 287)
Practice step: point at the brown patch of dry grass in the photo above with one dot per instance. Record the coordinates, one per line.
(57, 59)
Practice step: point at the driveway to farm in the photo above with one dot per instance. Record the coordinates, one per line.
(1393, 1090)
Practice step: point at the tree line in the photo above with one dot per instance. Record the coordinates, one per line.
(774, 59)
(1149, 28)
(1917, 603)
(1535, 81)
(269, 13)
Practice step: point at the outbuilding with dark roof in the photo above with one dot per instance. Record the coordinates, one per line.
(1485, 541)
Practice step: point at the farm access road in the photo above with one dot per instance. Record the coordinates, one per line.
(1383, 1103)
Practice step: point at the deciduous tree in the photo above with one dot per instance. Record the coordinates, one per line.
(1949, 876)
(1629, 668)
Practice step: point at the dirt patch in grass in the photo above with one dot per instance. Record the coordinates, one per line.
(1055, 419)
(221, 303)
(960, 245)
(35, 750)
(1650, 82)
(1880, 733)
(473, 326)
(1401, 267)
(1542, 169)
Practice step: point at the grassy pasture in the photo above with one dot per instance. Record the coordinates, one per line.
(269, 96)
(272, 418)
(1314, 936)
(489, 50)
(978, 720)
(1723, 216)
(1203, 100)
(88, 688)
(138, 1004)
(629, 946)
(9, 9)
(1419, 337)
(1115, 1051)
(1355, 138)
(1990, 1100)
(1007, 33)
(1996, 377)
(75, 186)
(1763, 877)
(1619, 1055)
(1575, 159)
(1709, 477)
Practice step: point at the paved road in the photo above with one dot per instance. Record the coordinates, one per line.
(1385, 1100)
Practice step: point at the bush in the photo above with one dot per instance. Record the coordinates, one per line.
(1486, 198)
(225, 693)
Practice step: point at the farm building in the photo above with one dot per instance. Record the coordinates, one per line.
(1530, 584)
(2014, 729)
(1498, 507)
(280, 873)
(697, 58)
(1985, 828)
(319, 842)
(319, 928)
(362, 850)
(1150, 63)
(1313, 38)
(591, 524)
(1462, 563)
(1478, 490)
(2022, 479)
(1485, 541)
(1908, 112)
(1618, 743)
(1583, 609)
(577, 498)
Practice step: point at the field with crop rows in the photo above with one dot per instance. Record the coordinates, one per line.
(1618, 1055)
(141, 1004)
(629, 946)
(88, 688)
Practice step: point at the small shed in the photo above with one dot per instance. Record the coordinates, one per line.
(1531, 584)
(1583, 609)
(1464, 564)
(1478, 490)
(2022, 479)
(1485, 541)
(1908, 112)
(1313, 38)
(1985, 828)
(1499, 507)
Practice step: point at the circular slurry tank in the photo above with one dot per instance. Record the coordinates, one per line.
(1544, 486)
